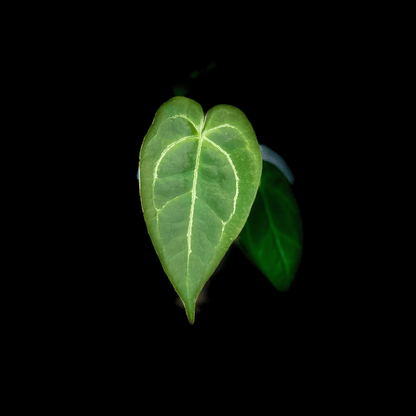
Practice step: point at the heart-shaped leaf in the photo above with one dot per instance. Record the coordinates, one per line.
(272, 236)
(198, 181)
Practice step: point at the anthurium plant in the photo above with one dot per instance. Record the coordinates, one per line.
(203, 183)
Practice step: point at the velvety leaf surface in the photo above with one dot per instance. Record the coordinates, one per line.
(272, 236)
(198, 180)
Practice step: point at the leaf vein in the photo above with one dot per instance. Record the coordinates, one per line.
(171, 200)
(227, 125)
(191, 215)
(212, 210)
(235, 174)
(275, 232)
(197, 128)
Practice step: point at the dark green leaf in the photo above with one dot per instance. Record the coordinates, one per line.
(272, 236)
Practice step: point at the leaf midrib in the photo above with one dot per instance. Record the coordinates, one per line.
(193, 199)
(200, 138)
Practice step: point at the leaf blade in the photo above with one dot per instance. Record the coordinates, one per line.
(272, 237)
(193, 200)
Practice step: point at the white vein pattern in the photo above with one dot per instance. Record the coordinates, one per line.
(163, 155)
(194, 197)
(224, 223)
(225, 125)
(160, 159)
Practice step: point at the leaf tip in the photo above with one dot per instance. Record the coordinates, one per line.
(191, 319)
(190, 313)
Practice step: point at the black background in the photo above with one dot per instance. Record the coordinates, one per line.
(93, 290)
(289, 102)
(295, 94)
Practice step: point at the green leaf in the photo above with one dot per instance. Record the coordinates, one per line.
(198, 181)
(272, 236)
